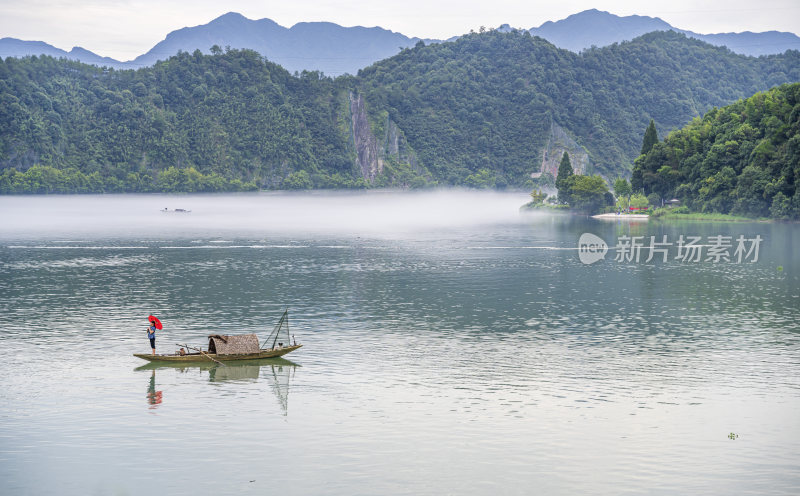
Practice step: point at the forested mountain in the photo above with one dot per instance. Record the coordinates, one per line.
(742, 159)
(488, 100)
(233, 116)
(480, 111)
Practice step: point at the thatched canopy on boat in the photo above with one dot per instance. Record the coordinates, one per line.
(233, 345)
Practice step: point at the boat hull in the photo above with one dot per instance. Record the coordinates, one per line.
(207, 357)
(208, 364)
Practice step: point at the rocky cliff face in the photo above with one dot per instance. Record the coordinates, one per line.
(557, 143)
(388, 148)
(365, 143)
(397, 147)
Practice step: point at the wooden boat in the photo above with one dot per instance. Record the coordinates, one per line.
(210, 357)
(222, 348)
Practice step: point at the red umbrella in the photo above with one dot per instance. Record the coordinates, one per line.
(155, 322)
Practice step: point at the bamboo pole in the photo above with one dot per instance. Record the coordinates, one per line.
(202, 353)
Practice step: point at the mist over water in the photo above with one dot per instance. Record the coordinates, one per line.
(382, 213)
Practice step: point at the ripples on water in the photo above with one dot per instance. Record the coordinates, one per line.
(458, 359)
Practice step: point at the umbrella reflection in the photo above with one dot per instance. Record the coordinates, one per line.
(154, 397)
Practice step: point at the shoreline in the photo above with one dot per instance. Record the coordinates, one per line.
(705, 217)
(613, 216)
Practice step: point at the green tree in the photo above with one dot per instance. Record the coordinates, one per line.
(638, 200)
(587, 193)
(483, 179)
(650, 138)
(622, 192)
(750, 192)
(622, 187)
(781, 207)
(564, 173)
(538, 196)
(298, 180)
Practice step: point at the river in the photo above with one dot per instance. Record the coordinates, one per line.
(451, 346)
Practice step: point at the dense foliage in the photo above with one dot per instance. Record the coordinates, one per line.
(650, 138)
(476, 111)
(230, 116)
(564, 173)
(741, 159)
(587, 193)
(488, 99)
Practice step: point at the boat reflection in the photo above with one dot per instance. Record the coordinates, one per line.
(278, 371)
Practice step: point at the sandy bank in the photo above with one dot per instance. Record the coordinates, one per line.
(621, 217)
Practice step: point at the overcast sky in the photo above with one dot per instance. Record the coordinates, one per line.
(123, 29)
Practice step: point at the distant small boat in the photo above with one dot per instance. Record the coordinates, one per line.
(176, 211)
(222, 348)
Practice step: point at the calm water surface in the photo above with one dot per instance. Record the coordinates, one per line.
(451, 346)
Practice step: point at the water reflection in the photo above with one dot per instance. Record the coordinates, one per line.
(545, 372)
(281, 375)
(279, 372)
(154, 397)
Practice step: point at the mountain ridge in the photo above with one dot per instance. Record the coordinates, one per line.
(335, 50)
(605, 29)
(483, 111)
(600, 28)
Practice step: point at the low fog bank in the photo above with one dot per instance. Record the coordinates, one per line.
(339, 213)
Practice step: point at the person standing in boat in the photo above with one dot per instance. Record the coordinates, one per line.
(151, 334)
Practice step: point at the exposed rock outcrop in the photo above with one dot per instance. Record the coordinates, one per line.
(397, 147)
(367, 158)
(380, 146)
(557, 143)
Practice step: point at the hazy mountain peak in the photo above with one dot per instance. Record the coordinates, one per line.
(323, 46)
(80, 51)
(596, 27)
(599, 28)
(231, 16)
(334, 49)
